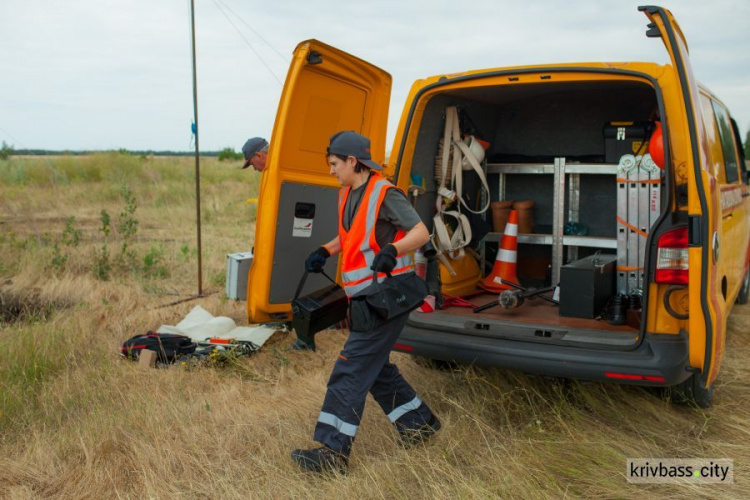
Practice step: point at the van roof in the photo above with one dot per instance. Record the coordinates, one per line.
(651, 69)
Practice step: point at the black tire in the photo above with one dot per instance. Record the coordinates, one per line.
(745, 290)
(690, 392)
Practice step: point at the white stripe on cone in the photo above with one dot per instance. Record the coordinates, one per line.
(506, 255)
(511, 229)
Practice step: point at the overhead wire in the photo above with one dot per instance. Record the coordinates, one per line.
(285, 59)
(218, 6)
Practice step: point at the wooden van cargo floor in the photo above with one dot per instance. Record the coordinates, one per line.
(536, 311)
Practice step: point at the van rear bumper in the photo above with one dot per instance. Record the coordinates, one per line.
(660, 360)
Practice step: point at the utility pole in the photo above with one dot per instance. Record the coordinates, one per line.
(197, 153)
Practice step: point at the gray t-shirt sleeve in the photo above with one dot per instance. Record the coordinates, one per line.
(397, 210)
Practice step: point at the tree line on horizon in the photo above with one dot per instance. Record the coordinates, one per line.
(226, 154)
(7, 150)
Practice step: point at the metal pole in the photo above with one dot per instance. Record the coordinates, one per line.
(197, 154)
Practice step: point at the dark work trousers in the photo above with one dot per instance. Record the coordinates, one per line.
(363, 367)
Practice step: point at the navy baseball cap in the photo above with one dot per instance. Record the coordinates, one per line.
(350, 143)
(251, 147)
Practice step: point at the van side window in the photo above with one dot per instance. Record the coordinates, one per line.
(727, 142)
(743, 160)
(715, 151)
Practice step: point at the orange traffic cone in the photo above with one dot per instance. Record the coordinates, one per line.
(505, 262)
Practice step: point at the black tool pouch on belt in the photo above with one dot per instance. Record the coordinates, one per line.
(388, 299)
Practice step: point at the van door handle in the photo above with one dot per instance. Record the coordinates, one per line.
(745, 195)
(727, 216)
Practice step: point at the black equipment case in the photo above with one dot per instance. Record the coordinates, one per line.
(586, 285)
(317, 310)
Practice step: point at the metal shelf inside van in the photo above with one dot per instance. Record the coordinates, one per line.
(549, 168)
(547, 239)
(560, 169)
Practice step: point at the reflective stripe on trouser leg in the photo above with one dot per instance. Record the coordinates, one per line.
(404, 408)
(354, 373)
(341, 426)
(398, 400)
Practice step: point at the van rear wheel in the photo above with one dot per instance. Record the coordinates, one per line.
(745, 290)
(690, 392)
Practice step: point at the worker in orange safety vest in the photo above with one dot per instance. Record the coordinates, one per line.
(378, 227)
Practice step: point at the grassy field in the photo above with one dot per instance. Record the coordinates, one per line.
(92, 247)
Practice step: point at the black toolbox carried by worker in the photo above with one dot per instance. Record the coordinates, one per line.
(316, 311)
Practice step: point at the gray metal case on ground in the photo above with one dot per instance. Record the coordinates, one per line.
(238, 267)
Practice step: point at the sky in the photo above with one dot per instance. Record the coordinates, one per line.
(108, 74)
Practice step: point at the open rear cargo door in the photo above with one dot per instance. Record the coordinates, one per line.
(708, 308)
(326, 91)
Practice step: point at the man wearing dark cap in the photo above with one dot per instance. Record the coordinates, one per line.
(255, 151)
(378, 228)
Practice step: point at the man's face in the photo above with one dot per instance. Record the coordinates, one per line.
(258, 161)
(343, 170)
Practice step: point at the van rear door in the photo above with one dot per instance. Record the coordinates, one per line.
(326, 91)
(708, 308)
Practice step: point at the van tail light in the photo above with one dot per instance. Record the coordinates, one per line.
(403, 347)
(633, 376)
(672, 258)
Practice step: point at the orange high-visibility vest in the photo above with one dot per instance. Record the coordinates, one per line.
(358, 245)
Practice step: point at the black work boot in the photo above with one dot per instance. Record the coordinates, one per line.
(409, 438)
(322, 459)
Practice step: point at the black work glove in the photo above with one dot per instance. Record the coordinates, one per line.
(316, 260)
(385, 260)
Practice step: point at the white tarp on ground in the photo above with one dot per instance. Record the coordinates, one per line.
(200, 325)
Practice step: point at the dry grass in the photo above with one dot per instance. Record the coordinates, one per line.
(78, 422)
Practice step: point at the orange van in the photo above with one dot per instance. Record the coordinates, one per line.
(546, 129)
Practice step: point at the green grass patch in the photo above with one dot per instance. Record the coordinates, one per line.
(29, 357)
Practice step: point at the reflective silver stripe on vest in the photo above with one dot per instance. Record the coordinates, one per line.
(341, 426)
(356, 275)
(372, 214)
(365, 272)
(354, 289)
(404, 409)
(404, 260)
